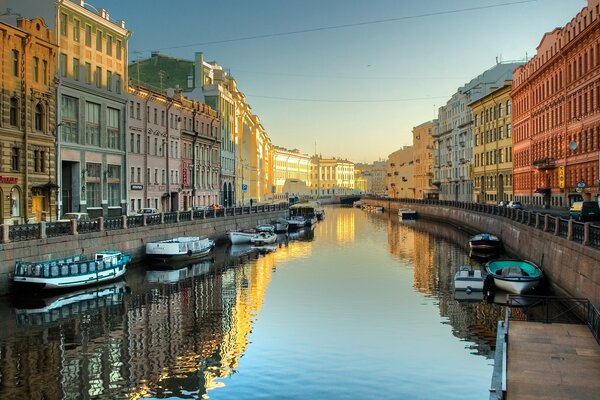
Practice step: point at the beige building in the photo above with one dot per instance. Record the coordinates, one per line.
(375, 176)
(492, 150)
(360, 181)
(291, 173)
(27, 127)
(331, 176)
(423, 160)
(400, 179)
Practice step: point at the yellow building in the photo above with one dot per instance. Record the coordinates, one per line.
(360, 181)
(375, 176)
(400, 174)
(492, 170)
(28, 180)
(332, 176)
(423, 160)
(291, 173)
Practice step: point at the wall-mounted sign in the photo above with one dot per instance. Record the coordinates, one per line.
(581, 184)
(8, 179)
(137, 187)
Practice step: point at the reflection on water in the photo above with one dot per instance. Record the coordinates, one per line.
(310, 319)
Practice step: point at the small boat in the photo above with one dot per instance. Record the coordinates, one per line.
(242, 236)
(296, 222)
(180, 248)
(407, 214)
(167, 274)
(485, 242)
(72, 271)
(265, 228)
(357, 204)
(482, 256)
(308, 212)
(514, 276)
(468, 279)
(263, 238)
(281, 225)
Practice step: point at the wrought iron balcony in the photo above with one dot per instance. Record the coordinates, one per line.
(544, 163)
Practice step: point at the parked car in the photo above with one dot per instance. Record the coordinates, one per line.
(147, 210)
(216, 207)
(585, 211)
(502, 204)
(201, 208)
(78, 216)
(516, 205)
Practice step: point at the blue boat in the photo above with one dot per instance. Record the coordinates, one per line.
(514, 276)
(74, 271)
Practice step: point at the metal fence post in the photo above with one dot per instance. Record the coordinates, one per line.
(545, 222)
(586, 234)
(570, 229)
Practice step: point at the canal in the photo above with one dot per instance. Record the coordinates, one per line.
(362, 307)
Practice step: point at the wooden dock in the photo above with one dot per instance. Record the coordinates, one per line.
(552, 361)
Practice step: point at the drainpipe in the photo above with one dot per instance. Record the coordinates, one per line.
(24, 57)
(168, 186)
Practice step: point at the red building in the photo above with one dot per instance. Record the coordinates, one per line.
(556, 115)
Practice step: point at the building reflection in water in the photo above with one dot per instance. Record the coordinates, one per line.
(181, 332)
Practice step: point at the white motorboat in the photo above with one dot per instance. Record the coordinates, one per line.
(296, 222)
(72, 271)
(240, 237)
(514, 276)
(263, 238)
(281, 225)
(180, 248)
(469, 279)
(265, 228)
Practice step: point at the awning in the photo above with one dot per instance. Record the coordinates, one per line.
(46, 186)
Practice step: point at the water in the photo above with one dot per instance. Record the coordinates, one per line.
(361, 308)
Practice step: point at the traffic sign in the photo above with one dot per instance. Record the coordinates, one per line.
(244, 187)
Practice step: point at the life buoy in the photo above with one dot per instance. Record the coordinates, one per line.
(189, 252)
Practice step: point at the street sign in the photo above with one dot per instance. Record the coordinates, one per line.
(581, 184)
(244, 187)
(561, 176)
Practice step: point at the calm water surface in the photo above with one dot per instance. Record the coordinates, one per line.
(360, 308)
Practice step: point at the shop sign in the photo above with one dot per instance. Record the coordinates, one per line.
(137, 187)
(8, 179)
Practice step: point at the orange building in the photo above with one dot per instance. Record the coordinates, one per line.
(556, 115)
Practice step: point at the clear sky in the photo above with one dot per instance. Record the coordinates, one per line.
(370, 84)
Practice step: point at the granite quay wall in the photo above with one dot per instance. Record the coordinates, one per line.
(45, 241)
(567, 251)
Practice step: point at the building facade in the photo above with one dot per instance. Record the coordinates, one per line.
(27, 123)
(292, 173)
(453, 142)
(400, 174)
(556, 98)
(492, 134)
(331, 176)
(423, 160)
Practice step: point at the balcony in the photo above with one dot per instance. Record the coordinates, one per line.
(544, 163)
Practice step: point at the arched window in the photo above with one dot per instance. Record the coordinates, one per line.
(38, 117)
(15, 203)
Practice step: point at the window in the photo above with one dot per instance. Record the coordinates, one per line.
(88, 35)
(114, 185)
(36, 69)
(14, 159)
(15, 62)
(69, 111)
(38, 117)
(119, 49)
(76, 68)
(109, 80)
(98, 77)
(138, 143)
(137, 110)
(109, 45)
(13, 111)
(62, 64)
(76, 29)
(118, 83)
(39, 157)
(92, 124)
(88, 73)
(63, 24)
(99, 40)
(45, 72)
(113, 128)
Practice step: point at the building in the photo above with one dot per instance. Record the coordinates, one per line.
(332, 176)
(492, 138)
(423, 160)
(292, 173)
(91, 92)
(360, 181)
(375, 175)
(400, 174)
(27, 124)
(556, 98)
(453, 142)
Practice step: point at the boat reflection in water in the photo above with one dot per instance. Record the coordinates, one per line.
(306, 233)
(44, 310)
(173, 273)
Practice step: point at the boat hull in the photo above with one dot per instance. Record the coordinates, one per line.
(73, 281)
(180, 248)
(514, 276)
(515, 287)
(240, 237)
(262, 239)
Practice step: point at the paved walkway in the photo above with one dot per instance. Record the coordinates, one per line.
(552, 361)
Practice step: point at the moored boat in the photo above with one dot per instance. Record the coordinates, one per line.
(265, 228)
(485, 242)
(72, 271)
(263, 238)
(296, 222)
(180, 248)
(469, 279)
(281, 225)
(514, 276)
(243, 236)
(308, 212)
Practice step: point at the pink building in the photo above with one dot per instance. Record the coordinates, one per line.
(556, 115)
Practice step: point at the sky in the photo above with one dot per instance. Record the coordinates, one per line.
(344, 78)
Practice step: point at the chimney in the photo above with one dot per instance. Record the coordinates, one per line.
(199, 70)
